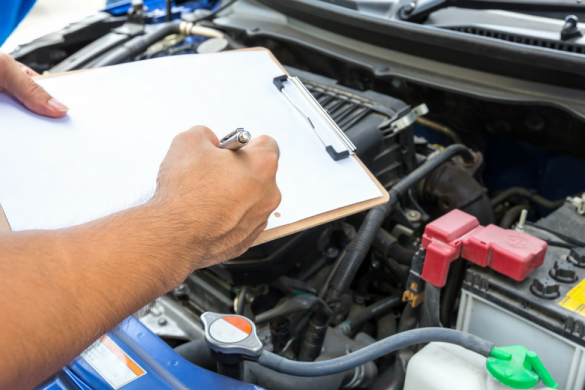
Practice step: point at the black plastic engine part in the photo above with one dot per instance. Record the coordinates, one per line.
(45, 52)
(352, 257)
(453, 186)
(537, 298)
(389, 157)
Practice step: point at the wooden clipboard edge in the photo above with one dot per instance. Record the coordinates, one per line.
(4, 225)
(329, 216)
(282, 231)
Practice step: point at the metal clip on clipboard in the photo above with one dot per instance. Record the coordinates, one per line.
(335, 155)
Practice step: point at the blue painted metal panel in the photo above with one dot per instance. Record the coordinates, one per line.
(157, 8)
(165, 369)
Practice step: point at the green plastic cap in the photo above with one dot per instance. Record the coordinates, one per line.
(517, 367)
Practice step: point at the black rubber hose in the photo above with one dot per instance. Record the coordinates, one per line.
(137, 45)
(294, 305)
(365, 282)
(378, 309)
(354, 254)
(400, 253)
(396, 270)
(409, 318)
(169, 6)
(387, 245)
(290, 286)
(431, 307)
(530, 194)
(242, 301)
(198, 353)
(268, 379)
(451, 290)
(374, 351)
(427, 168)
(512, 216)
(358, 247)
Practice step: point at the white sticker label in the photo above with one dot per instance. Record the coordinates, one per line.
(112, 363)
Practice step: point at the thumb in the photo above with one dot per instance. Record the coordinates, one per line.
(25, 89)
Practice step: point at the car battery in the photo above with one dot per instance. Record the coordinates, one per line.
(545, 312)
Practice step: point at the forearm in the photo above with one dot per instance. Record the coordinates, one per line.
(66, 288)
(61, 290)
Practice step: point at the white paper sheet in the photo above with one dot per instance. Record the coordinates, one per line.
(105, 154)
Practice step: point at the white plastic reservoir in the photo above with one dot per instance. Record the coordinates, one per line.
(441, 366)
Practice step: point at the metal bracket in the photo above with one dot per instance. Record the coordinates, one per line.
(394, 124)
(335, 155)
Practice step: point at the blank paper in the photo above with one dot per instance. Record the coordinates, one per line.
(105, 154)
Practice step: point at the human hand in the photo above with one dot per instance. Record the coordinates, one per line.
(215, 202)
(16, 78)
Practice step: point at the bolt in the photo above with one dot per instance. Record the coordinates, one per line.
(571, 22)
(521, 226)
(162, 321)
(332, 252)
(181, 291)
(414, 216)
(409, 7)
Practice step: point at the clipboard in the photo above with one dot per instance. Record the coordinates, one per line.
(292, 228)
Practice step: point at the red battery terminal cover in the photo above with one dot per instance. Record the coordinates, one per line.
(458, 234)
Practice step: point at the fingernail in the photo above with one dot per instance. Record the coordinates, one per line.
(57, 105)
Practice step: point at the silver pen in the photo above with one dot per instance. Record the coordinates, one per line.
(235, 140)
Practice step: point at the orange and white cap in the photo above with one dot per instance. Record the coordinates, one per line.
(231, 334)
(230, 329)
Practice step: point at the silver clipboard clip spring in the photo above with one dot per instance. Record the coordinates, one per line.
(335, 155)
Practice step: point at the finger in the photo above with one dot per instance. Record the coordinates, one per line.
(25, 89)
(28, 70)
(206, 134)
(264, 142)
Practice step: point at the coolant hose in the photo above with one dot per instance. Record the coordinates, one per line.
(374, 351)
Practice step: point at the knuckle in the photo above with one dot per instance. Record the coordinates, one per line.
(33, 89)
(182, 136)
(277, 198)
(201, 129)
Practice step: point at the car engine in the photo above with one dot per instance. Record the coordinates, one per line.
(496, 142)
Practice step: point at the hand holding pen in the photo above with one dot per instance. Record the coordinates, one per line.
(235, 140)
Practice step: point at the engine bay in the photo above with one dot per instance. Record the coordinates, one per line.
(498, 141)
